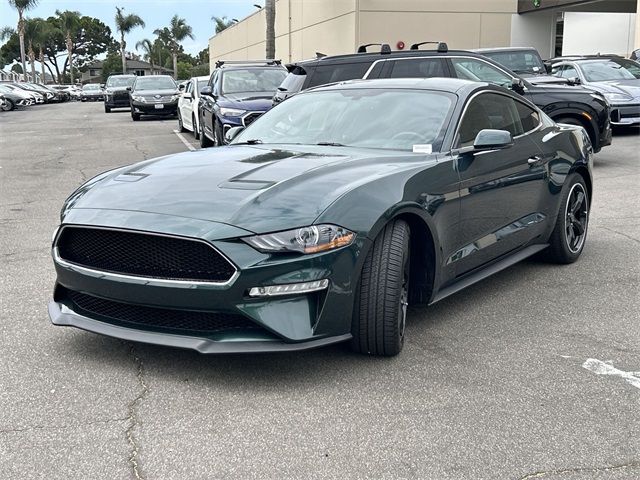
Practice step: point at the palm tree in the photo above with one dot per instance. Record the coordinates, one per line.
(31, 27)
(222, 23)
(124, 24)
(5, 33)
(177, 32)
(270, 12)
(44, 32)
(21, 6)
(69, 23)
(149, 51)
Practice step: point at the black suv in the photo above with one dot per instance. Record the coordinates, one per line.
(238, 92)
(115, 91)
(563, 103)
(154, 95)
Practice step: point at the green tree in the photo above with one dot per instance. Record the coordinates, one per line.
(270, 12)
(111, 65)
(35, 32)
(21, 6)
(147, 52)
(221, 23)
(177, 32)
(124, 24)
(69, 23)
(184, 71)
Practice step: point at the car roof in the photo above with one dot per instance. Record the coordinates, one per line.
(452, 85)
(371, 57)
(122, 75)
(504, 49)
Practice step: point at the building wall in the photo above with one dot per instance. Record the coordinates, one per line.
(304, 27)
(535, 30)
(579, 38)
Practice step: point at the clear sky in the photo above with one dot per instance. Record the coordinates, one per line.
(155, 13)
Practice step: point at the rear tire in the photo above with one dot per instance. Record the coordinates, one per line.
(135, 117)
(107, 109)
(570, 232)
(380, 310)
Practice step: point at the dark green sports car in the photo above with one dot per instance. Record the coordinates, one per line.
(323, 220)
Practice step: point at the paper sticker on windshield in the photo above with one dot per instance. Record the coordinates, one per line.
(422, 148)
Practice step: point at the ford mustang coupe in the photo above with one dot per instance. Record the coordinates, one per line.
(323, 220)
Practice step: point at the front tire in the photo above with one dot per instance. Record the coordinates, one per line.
(204, 140)
(8, 105)
(135, 117)
(107, 109)
(181, 128)
(570, 232)
(380, 311)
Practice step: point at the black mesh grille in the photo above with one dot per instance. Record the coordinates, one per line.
(252, 117)
(142, 254)
(136, 316)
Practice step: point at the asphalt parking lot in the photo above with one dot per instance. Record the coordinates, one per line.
(534, 373)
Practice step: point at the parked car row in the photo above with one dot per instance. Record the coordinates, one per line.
(24, 94)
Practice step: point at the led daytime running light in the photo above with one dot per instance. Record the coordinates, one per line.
(289, 289)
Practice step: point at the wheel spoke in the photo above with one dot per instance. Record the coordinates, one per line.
(575, 206)
(579, 226)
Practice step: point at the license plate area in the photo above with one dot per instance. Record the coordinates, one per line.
(159, 106)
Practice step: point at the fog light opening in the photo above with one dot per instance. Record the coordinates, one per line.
(289, 289)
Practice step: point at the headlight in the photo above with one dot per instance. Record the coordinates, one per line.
(137, 98)
(231, 112)
(617, 97)
(313, 239)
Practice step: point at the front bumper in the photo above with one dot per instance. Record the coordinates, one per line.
(286, 323)
(91, 98)
(117, 101)
(144, 108)
(625, 114)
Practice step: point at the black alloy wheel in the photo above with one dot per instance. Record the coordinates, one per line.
(380, 313)
(570, 231)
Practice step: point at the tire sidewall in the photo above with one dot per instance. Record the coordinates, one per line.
(562, 216)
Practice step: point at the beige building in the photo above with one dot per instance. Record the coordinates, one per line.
(304, 27)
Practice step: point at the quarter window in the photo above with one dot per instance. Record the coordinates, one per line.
(479, 71)
(337, 73)
(489, 110)
(529, 118)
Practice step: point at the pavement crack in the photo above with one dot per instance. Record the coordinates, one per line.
(132, 418)
(611, 468)
(619, 233)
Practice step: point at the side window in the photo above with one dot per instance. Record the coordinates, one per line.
(489, 110)
(376, 71)
(338, 73)
(478, 70)
(557, 70)
(529, 118)
(418, 68)
(189, 87)
(211, 78)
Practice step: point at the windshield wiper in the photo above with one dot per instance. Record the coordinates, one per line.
(330, 144)
(253, 141)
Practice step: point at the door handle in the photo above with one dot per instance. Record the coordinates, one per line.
(534, 161)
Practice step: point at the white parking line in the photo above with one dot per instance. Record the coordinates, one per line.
(603, 368)
(185, 141)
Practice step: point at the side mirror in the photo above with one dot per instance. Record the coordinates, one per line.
(489, 139)
(232, 133)
(102, 85)
(181, 87)
(128, 89)
(575, 81)
(206, 91)
(517, 85)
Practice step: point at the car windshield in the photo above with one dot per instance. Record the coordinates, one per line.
(120, 81)
(366, 117)
(252, 80)
(202, 83)
(155, 83)
(613, 69)
(91, 86)
(519, 61)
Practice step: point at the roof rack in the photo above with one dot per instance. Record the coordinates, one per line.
(384, 48)
(219, 63)
(442, 47)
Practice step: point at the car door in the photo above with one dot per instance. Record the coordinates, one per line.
(501, 191)
(186, 104)
(207, 104)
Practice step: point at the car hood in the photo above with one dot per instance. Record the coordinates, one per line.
(542, 78)
(563, 89)
(256, 188)
(626, 87)
(164, 92)
(254, 101)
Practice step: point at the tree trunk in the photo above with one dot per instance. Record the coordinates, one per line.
(270, 12)
(21, 36)
(41, 59)
(32, 61)
(175, 65)
(123, 45)
(70, 57)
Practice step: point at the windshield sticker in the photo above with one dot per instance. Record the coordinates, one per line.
(422, 148)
